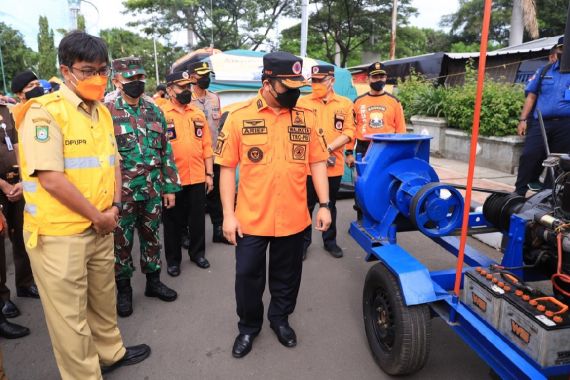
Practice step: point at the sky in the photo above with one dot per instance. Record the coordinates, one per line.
(105, 14)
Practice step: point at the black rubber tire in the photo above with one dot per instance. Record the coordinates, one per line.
(400, 343)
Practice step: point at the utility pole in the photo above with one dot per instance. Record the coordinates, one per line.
(393, 36)
(74, 7)
(155, 59)
(304, 26)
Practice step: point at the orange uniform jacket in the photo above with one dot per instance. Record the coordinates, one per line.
(336, 117)
(191, 141)
(377, 114)
(273, 151)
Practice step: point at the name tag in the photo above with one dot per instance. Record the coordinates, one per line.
(7, 138)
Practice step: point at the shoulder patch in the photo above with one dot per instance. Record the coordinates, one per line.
(42, 133)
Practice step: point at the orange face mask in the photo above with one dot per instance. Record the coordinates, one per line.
(92, 88)
(319, 89)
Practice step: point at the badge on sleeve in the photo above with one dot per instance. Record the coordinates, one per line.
(42, 133)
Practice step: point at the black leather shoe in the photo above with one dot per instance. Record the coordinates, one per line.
(218, 236)
(155, 288)
(124, 298)
(201, 262)
(242, 345)
(134, 355)
(334, 250)
(286, 335)
(10, 330)
(31, 292)
(10, 310)
(173, 270)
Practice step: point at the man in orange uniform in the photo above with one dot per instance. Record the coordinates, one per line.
(191, 142)
(273, 142)
(336, 117)
(376, 112)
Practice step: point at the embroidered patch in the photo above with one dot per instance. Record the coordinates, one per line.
(338, 122)
(254, 127)
(198, 128)
(171, 132)
(255, 154)
(297, 68)
(42, 133)
(299, 152)
(299, 118)
(259, 104)
(299, 134)
(219, 146)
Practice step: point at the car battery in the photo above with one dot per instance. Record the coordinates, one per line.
(539, 325)
(483, 290)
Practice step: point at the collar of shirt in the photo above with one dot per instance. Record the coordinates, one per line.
(120, 104)
(332, 98)
(262, 105)
(72, 97)
(169, 106)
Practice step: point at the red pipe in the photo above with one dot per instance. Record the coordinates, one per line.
(474, 138)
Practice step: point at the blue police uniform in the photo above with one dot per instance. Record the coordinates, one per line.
(553, 101)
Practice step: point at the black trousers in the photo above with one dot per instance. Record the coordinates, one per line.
(14, 213)
(530, 162)
(285, 267)
(189, 210)
(213, 200)
(329, 236)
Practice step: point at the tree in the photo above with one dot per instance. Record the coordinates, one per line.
(349, 26)
(46, 48)
(231, 24)
(465, 24)
(81, 22)
(123, 43)
(16, 55)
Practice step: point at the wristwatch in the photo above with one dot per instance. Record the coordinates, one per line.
(325, 205)
(210, 175)
(118, 205)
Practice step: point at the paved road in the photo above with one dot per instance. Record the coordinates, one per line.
(192, 337)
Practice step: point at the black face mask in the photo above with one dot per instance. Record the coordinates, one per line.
(377, 86)
(184, 97)
(204, 82)
(288, 99)
(134, 89)
(34, 92)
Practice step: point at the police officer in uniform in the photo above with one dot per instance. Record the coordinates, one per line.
(273, 141)
(25, 85)
(548, 92)
(72, 186)
(12, 203)
(376, 112)
(149, 179)
(209, 103)
(191, 142)
(336, 117)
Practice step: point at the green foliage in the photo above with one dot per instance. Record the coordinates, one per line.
(47, 52)
(123, 43)
(16, 55)
(500, 106)
(351, 26)
(465, 24)
(232, 24)
(81, 22)
(462, 47)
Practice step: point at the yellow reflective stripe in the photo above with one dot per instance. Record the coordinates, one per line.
(29, 186)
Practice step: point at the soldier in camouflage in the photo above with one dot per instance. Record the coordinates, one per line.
(150, 179)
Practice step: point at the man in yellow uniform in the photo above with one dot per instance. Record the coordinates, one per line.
(376, 112)
(273, 142)
(336, 117)
(191, 143)
(71, 180)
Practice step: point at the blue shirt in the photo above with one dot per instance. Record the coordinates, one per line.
(551, 99)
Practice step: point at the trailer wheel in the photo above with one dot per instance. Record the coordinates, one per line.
(398, 335)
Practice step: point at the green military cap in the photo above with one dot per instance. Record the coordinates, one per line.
(128, 66)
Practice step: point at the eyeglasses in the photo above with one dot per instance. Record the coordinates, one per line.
(88, 73)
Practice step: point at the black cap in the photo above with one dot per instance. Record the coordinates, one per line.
(322, 71)
(286, 67)
(161, 87)
(179, 77)
(560, 42)
(200, 68)
(376, 68)
(22, 79)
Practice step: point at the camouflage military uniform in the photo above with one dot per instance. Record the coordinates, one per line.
(148, 172)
